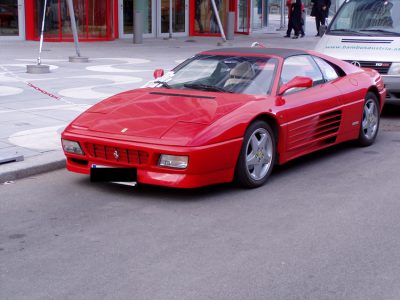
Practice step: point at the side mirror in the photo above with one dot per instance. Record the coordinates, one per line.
(297, 82)
(158, 73)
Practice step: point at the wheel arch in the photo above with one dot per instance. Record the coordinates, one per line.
(373, 89)
(271, 121)
(240, 176)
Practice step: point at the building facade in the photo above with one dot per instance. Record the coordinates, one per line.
(105, 20)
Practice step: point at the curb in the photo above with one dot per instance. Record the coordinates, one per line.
(42, 163)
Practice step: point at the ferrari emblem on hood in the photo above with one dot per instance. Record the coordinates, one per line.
(116, 154)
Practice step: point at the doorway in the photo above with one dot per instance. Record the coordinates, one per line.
(179, 22)
(156, 17)
(126, 21)
(243, 16)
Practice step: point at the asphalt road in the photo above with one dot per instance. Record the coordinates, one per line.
(324, 227)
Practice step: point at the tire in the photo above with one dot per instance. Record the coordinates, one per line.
(255, 165)
(370, 120)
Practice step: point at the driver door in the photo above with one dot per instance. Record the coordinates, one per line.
(312, 116)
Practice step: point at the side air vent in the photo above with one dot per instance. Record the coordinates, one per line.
(367, 41)
(318, 130)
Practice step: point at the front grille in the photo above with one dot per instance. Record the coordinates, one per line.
(117, 154)
(380, 66)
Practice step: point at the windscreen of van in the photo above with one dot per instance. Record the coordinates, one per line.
(367, 17)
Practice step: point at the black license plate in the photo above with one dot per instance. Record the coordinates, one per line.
(106, 174)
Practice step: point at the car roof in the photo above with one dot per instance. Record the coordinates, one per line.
(281, 52)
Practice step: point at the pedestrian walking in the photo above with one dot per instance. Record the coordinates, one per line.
(296, 18)
(290, 19)
(303, 20)
(320, 10)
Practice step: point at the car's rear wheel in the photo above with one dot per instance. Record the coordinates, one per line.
(257, 156)
(370, 120)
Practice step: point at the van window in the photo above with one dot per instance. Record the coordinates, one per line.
(367, 17)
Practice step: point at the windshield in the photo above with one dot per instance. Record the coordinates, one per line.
(367, 17)
(230, 74)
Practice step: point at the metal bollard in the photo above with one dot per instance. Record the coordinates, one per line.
(138, 28)
(230, 26)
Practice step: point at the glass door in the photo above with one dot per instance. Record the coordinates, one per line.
(126, 15)
(243, 17)
(12, 19)
(257, 15)
(180, 22)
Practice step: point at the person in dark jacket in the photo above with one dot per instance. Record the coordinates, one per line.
(295, 14)
(320, 11)
(290, 23)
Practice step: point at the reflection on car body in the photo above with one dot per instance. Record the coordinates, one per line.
(227, 114)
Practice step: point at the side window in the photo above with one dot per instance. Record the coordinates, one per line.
(301, 65)
(327, 70)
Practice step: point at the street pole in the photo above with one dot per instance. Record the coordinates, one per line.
(78, 57)
(39, 68)
(42, 32)
(264, 8)
(170, 20)
(283, 25)
(221, 29)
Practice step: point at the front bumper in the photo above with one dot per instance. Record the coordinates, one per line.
(392, 84)
(208, 165)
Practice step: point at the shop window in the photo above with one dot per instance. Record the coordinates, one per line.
(205, 20)
(9, 18)
(94, 19)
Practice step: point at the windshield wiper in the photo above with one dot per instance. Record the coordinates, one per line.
(206, 87)
(380, 30)
(163, 83)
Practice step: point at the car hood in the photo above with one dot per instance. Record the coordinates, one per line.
(158, 113)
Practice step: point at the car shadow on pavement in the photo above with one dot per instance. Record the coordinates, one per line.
(391, 111)
(158, 192)
(213, 192)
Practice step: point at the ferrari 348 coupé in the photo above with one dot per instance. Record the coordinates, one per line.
(226, 115)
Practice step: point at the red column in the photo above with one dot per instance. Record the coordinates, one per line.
(29, 20)
(115, 20)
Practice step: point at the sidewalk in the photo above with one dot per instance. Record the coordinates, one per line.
(34, 109)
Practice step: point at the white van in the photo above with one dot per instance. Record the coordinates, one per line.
(366, 33)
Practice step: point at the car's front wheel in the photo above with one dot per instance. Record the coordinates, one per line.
(257, 156)
(370, 120)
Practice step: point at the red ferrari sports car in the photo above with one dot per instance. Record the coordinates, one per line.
(224, 115)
